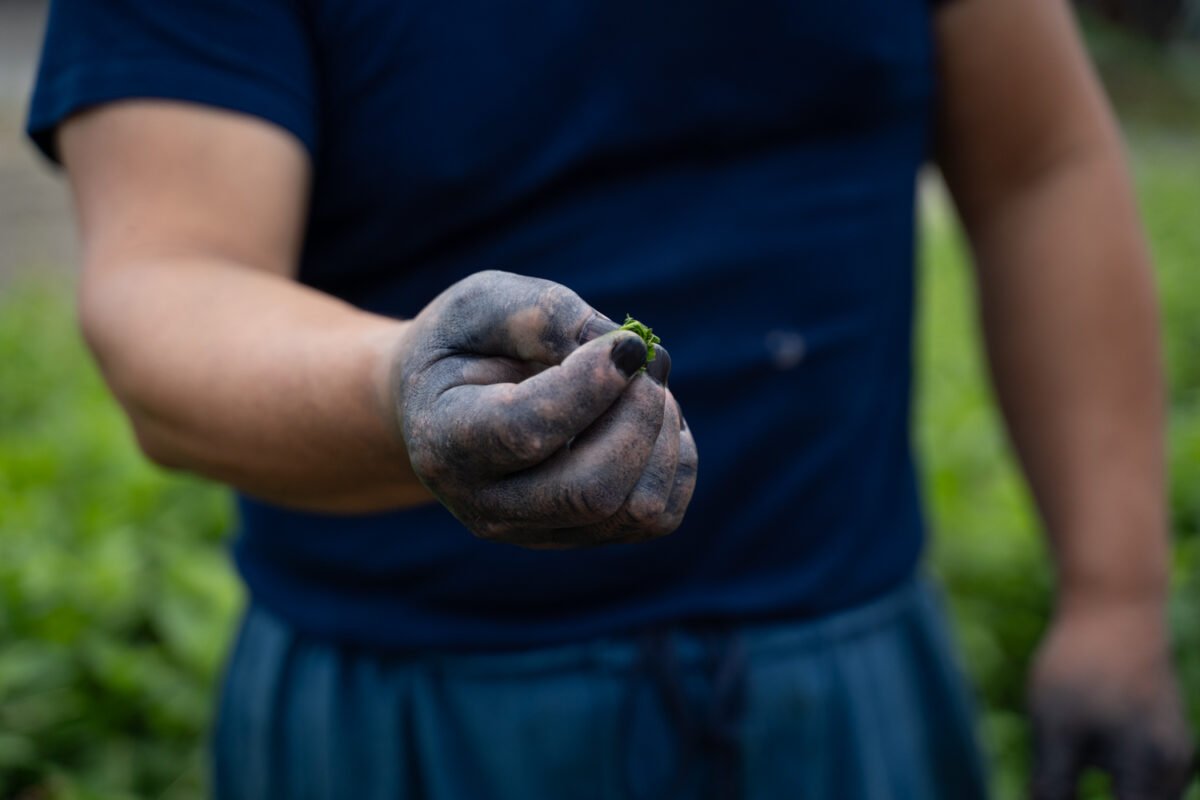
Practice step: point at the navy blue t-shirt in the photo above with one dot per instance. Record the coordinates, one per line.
(739, 175)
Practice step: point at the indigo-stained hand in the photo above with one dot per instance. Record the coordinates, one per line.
(1103, 694)
(529, 416)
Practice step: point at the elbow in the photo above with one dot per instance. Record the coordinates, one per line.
(99, 319)
(154, 442)
(103, 316)
(108, 328)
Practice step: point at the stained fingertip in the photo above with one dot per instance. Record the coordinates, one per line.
(629, 354)
(660, 368)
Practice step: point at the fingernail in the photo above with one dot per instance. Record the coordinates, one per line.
(660, 367)
(629, 355)
(596, 327)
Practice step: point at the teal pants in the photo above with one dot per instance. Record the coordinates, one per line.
(867, 704)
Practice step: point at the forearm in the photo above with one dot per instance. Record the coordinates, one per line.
(1071, 327)
(252, 379)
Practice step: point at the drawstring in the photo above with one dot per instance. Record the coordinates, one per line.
(725, 719)
(712, 737)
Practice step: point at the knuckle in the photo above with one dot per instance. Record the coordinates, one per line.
(645, 508)
(522, 444)
(474, 295)
(469, 288)
(437, 458)
(423, 463)
(486, 280)
(595, 501)
(563, 309)
(422, 455)
(666, 523)
(555, 296)
(686, 471)
(666, 519)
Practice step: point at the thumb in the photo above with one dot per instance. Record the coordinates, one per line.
(506, 426)
(1058, 758)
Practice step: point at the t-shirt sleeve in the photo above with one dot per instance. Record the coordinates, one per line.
(249, 56)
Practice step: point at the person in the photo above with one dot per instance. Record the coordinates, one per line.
(354, 258)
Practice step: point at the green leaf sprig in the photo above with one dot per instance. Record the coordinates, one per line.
(647, 335)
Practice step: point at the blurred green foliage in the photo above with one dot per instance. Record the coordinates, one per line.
(117, 601)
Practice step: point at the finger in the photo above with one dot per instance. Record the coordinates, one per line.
(685, 478)
(502, 314)
(681, 494)
(683, 488)
(496, 429)
(642, 514)
(1143, 768)
(1058, 759)
(585, 483)
(485, 370)
(659, 367)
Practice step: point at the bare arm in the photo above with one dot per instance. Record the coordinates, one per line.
(191, 222)
(1035, 164)
(1034, 160)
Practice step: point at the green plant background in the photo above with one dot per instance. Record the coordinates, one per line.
(117, 601)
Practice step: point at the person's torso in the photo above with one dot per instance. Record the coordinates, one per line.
(740, 176)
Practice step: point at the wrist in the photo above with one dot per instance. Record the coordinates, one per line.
(1139, 586)
(1115, 607)
(1123, 566)
(388, 345)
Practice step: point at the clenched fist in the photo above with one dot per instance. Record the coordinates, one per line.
(527, 414)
